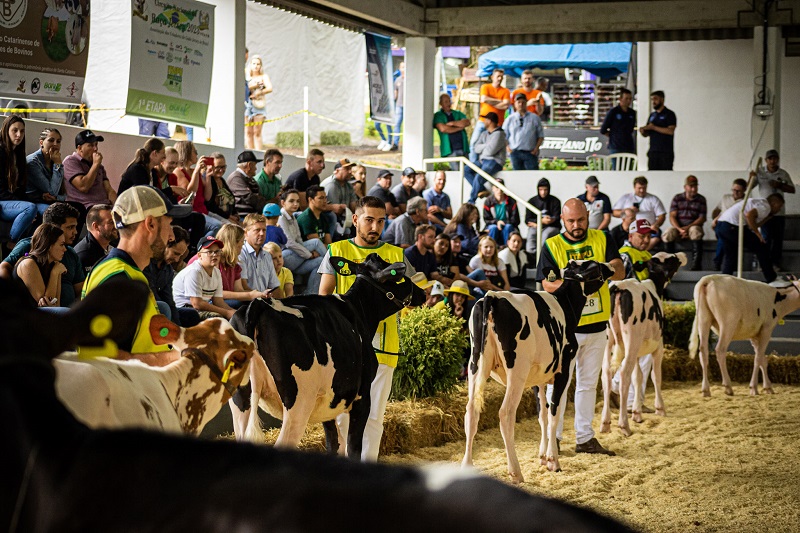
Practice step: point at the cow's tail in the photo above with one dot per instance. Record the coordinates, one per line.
(479, 324)
(615, 329)
(702, 312)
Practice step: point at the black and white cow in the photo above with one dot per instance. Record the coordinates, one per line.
(58, 475)
(524, 339)
(318, 352)
(636, 328)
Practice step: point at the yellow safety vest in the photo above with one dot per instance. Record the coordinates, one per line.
(387, 338)
(142, 341)
(593, 246)
(638, 256)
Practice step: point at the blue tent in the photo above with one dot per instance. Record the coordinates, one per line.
(606, 60)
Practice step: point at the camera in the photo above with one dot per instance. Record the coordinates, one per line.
(636, 205)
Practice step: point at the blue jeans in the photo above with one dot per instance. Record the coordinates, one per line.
(455, 153)
(491, 167)
(477, 275)
(330, 223)
(20, 213)
(298, 265)
(386, 137)
(720, 252)
(398, 111)
(524, 160)
(480, 127)
(212, 225)
(153, 127)
(500, 236)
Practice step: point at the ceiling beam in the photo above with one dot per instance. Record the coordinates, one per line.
(397, 16)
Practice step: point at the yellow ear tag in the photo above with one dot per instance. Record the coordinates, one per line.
(100, 326)
(227, 374)
(781, 322)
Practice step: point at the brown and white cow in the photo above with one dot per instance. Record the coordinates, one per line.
(738, 309)
(181, 397)
(635, 329)
(524, 339)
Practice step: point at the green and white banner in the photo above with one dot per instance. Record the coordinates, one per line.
(172, 50)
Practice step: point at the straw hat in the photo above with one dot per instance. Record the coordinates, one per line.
(421, 281)
(461, 288)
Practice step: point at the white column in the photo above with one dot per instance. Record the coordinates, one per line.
(643, 90)
(420, 100)
(770, 126)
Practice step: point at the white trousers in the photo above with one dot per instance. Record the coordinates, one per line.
(646, 364)
(587, 364)
(379, 396)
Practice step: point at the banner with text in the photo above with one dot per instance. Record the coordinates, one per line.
(381, 87)
(43, 49)
(172, 51)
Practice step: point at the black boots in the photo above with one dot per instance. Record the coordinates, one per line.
(697, 255)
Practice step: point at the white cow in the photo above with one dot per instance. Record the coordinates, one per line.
(181, 397)
(635, 330)
(739, 309)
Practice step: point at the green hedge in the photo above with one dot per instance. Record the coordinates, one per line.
(289, 139)
(678, 319)
(433, 344)
(334, 138)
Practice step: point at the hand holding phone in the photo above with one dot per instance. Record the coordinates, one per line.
(209, 161)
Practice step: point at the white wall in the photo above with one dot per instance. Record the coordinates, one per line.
(790, 117)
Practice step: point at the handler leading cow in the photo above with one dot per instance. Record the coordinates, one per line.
(578, 242)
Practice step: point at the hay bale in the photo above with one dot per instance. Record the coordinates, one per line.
(289, 139)
(678, 366)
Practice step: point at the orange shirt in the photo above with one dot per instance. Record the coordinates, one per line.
(533, 94)
(501, 93)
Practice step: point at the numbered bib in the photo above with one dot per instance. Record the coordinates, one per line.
(593, 305)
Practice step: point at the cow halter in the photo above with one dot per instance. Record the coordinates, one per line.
(222, 378)
(389, 294)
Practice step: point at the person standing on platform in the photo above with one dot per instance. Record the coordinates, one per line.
(660, 128)
(620, 125)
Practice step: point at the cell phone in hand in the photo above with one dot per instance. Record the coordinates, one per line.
(209, 161)
(189, 199)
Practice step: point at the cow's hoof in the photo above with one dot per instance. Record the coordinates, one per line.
(605, 427)
(729, 390)
(661, 412)
(637, 417)
(769, 390)
(543, 460)
(753, 391)
(625, 431)
(516, 480)
(706, 394)
(553, 466)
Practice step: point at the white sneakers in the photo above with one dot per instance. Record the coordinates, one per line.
(383, 144)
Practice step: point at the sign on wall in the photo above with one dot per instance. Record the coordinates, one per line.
(381, 86)
(572, 144)
(43, 49)
(172, 49)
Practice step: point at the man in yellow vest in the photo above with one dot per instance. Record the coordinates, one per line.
(635, 257)
(368, 221)
(578, 242)
(143, 216)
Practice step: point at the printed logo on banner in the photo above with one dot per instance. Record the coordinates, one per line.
(565, 145)
(12, 12)
(21, 86)
(36, 84)
(174, 80)
(52, 88)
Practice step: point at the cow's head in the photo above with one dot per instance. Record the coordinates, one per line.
(214, 341)
(388, 278)
(662, 267)
(590, 274)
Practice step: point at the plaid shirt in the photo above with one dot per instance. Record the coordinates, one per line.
(687, 211)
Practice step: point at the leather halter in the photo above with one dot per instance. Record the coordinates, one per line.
(389, 294)
(215, 370)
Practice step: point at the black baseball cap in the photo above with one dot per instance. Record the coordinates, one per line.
(385, 173)
(521, 96)
(771, 153)
(87, 136)
(342, 163)
(491, 115)
(247, 157)
(409, 171)
(592, 180)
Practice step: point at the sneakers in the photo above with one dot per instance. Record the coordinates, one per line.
(613, 399)
(483, 194)
(592, 446)
(386, 147)
(382, 145)
(392, 148)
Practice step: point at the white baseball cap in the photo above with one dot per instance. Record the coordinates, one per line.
(139, 202)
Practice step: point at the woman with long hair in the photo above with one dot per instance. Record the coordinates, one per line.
(465, 223)
(515, 259)
(41, 269)
(141, 171)
(193, 176)
(445, 263)
(14, 204)
(254, 113)
(299, 256)
(235, 290)
(487, 266)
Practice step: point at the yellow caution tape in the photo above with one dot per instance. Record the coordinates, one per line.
(59, 110)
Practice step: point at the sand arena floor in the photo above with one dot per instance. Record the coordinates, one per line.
(717, 464)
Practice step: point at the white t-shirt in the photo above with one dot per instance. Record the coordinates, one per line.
(193, 282)
(731, 215)
(491, 271)
(765, 189)
(650, 207)
(507, 258)
(725, 203)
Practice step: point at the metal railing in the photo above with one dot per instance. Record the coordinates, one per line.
(520, 201)
(740, 251)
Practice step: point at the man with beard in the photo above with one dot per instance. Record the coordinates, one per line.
(64, 216)
(99, 236)
(660, 128)
(160, 274)
(142, 214)
(368, 221)
(578, 242)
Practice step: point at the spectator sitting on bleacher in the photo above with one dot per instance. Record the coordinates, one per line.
(620, 233)
(272, 212)
(687, 214)
(311, 221)
(737, 193)
(235, 290)
(405, 191)
(244, 186)
(160, 275)
(401, 232)
(14, 204)
(420, 255)
(257, 268)
(515, 259)
(465, 224)
(500, 215)
(64, 216)
(550, 206)
(644, 205)
(597, 203)
(381, 190)
(341, 195)
(140, 170)
(299, 256)
(446, 264)
(439, 208)
(84, 175)
(196, 181)
(486, 266)
(285, 276)
(101, 232)
(41, 270)
(460, 256)
(490, 149)
(269, 179)
(199, 285)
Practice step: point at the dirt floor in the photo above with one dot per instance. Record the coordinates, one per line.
(713, 464)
